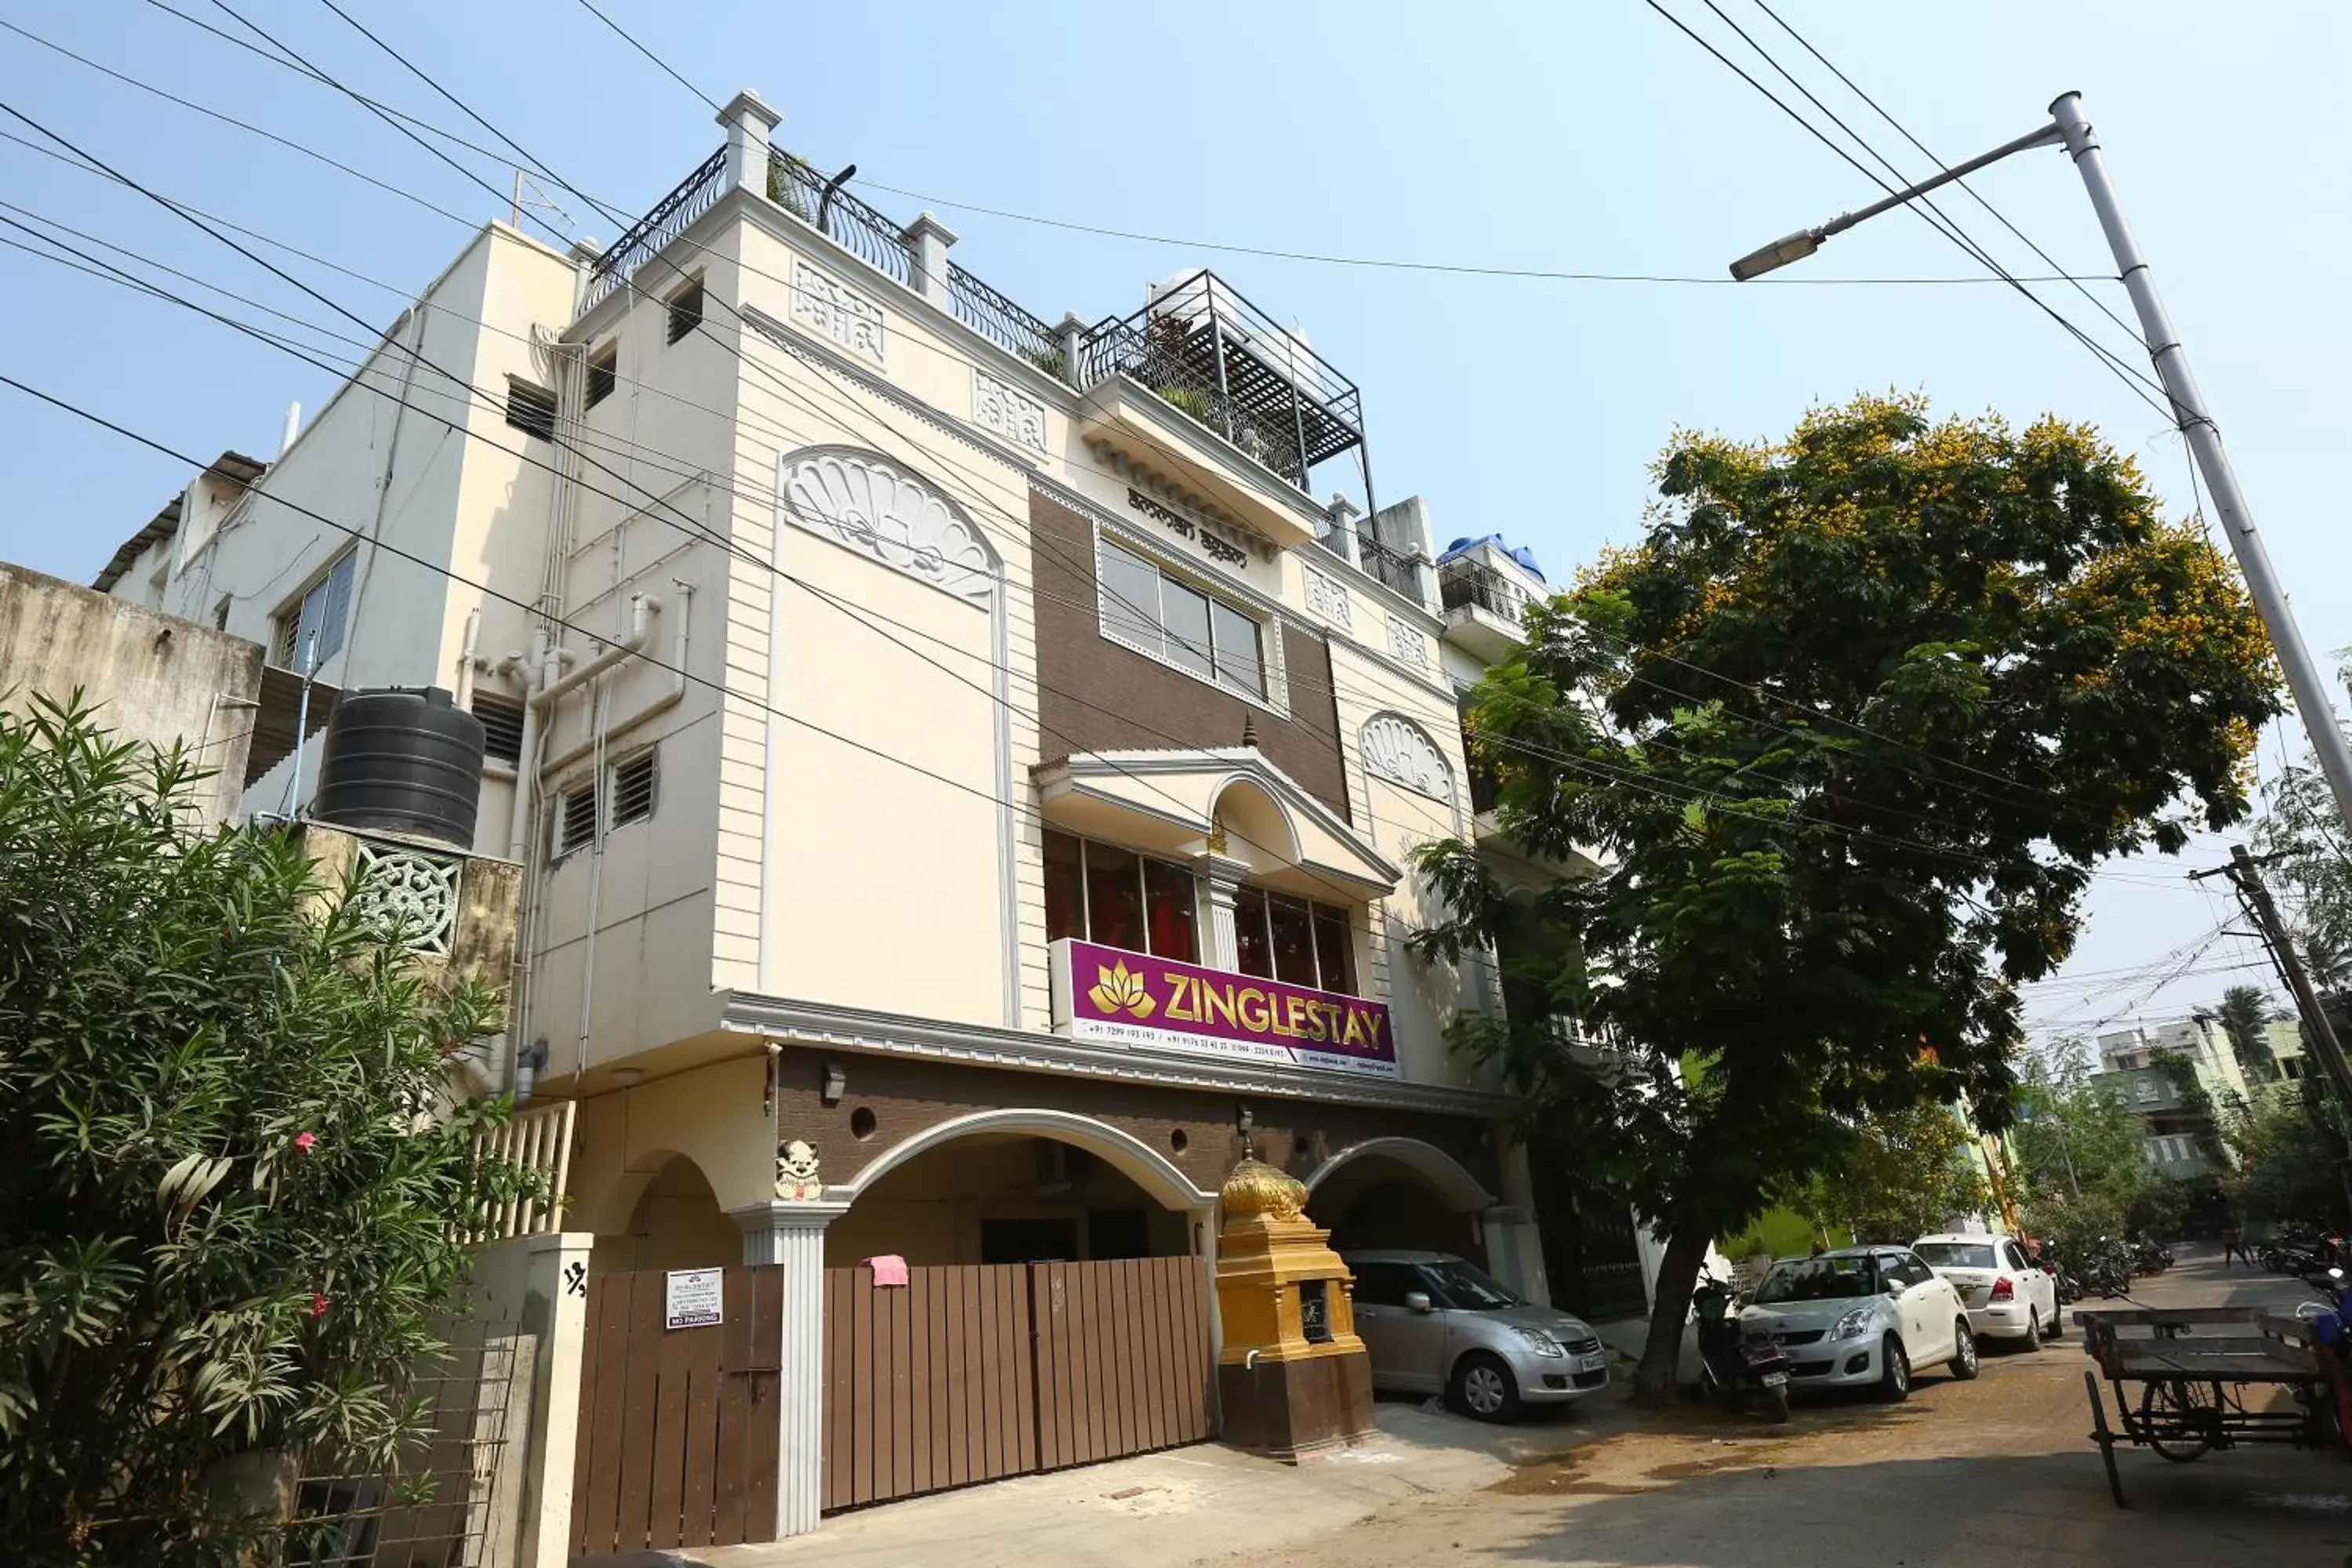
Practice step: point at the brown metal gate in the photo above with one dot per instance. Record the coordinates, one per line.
(972, 1373)
(679, 1428)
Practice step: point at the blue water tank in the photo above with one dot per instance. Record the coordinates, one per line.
(401, 760)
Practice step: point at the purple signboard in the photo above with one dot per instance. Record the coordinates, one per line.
(1107, 994)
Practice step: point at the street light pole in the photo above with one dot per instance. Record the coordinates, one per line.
(2069, 125)
(2302, 676)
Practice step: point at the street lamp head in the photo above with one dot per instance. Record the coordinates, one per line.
(1779, 253)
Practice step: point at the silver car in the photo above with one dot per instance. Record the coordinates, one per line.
(1434, 1323)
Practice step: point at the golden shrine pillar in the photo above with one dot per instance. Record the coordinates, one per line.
(1293, 1377)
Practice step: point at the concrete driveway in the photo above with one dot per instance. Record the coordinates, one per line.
(1989, 1474)
(1995, 1471)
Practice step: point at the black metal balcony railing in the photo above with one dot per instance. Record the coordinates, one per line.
(862, 230)
(1203, 348)
(668, 219)
(1214, 357)
(1004, 323)
(1389, 567)
(1465, 581)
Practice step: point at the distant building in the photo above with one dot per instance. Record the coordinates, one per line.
(2178, 1135)
(2285, 1036)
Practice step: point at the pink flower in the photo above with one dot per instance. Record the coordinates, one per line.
(305, 1142)
(318, 1305)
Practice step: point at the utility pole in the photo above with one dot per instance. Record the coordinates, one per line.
(2068, 127)
(2197, 427)
(2245, 875)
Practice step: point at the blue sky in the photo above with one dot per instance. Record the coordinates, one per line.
(1587, 137)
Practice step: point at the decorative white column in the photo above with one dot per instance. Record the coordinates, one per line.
(927, 240)
(749, 123)
(1515, 1250)
(1072, 333)
(1220, 879)
(791, 1237)
(1339, 521)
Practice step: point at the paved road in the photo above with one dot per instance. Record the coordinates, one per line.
(1998, 1471)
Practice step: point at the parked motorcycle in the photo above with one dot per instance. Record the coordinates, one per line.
(2149, 1256)
(2109, 1268)
(2054, 1263)
(2331, 1319)
(2304, 1250)
(1735, 1363)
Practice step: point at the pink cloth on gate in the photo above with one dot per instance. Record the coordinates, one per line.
(889, 1269)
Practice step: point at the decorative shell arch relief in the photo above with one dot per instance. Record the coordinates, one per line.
(861, 501)
(1400, 751)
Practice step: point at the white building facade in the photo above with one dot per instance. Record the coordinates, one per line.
(967, 782)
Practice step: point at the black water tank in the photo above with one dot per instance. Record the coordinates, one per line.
(403, 761)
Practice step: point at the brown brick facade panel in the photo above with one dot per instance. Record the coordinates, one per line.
(1096, 695)
(908, 1096)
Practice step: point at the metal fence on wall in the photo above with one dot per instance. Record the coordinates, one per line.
(438, 1505)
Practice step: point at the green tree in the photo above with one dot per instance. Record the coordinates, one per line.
(2287, 1162)
(2164, 1203)
(1905, 1172)
(2244, 1012)
(2329, 962)
(2080, 1163)
(2300, 827)
(225, 1218)
(1850, 727)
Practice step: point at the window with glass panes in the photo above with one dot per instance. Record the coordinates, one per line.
(1297, 941)
(1161, 614)
(311, 631)
(1102, 893)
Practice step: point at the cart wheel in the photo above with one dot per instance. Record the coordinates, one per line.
(2172, 1406)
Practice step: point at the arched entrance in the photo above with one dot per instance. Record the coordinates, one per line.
(1399, 1193)
(1008, 1292)
(1003, 1193)
(675, 1223)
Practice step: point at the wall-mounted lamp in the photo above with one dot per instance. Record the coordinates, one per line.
(626, 1077)
(836, 1084)
(1243, 1119)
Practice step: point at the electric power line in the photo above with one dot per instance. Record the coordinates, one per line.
(306, 69)
(1974, 195)
(629, 39)
(1957, 238)
(1964, 858)
(1274, 252)
(1588, 766)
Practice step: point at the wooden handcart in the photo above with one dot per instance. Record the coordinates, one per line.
(2209, 1377)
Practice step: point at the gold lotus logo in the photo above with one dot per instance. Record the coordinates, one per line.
(1120, 989)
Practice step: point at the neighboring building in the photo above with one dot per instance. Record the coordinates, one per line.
(966, 780)
(2178, 1135)
(2285, 1036)
(150, 677)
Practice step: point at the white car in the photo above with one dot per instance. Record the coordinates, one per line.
(1863, 1315)
(2007, 1297)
